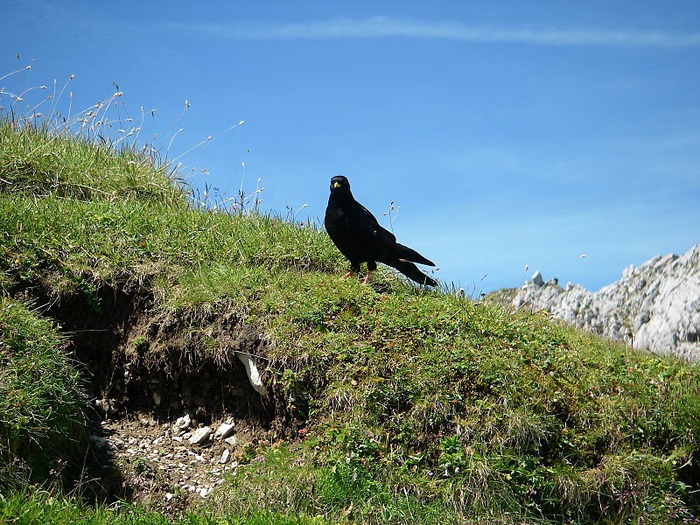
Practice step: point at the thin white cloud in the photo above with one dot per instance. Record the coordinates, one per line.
(378, 27)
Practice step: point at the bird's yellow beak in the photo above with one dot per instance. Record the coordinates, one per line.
(336, 184)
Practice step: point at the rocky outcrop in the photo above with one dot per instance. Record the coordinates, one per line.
(655, 306)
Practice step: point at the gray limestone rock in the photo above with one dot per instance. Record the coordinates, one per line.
(655, 306)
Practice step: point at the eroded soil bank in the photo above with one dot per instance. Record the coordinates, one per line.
(161, 384)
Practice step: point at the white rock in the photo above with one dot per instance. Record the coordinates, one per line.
(200, 436)
(231, 440)
(224, 430)
(253, 373)
(183, 422)
(225, 456)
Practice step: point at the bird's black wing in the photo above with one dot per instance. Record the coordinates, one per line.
(387, 250)
(373, 228)
(355, 231)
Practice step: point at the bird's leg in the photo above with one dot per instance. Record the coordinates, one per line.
(371, 266)
(354, 268)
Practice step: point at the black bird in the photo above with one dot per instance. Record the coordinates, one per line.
(360, 238)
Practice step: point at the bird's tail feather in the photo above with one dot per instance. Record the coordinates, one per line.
(411, 271)
(410, 255)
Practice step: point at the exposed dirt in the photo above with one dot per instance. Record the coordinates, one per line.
(161, 465)
(156, 378)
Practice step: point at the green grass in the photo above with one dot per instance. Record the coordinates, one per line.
(403, 405)
(41, 397)
(97, 243)
(430, 403)
(47, 509)
(37, 162)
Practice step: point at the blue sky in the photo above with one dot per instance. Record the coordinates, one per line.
(509, 134)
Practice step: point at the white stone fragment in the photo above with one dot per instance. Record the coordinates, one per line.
(200, 436)
(183, 422)
(224, 430)
(253, 373)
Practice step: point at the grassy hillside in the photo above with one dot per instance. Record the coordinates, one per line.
(387, 404)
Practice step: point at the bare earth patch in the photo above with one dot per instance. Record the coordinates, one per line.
(165, 466)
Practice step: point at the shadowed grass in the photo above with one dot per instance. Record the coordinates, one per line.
(41, 399)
